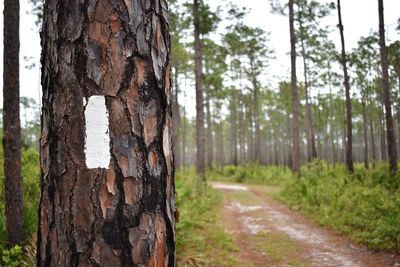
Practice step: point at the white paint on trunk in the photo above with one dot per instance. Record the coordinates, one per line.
(97, 143)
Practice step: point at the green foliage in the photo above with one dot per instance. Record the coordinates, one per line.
(11, 257)
(364, 206)
(201, 240)
(251, 173)
(18, 256)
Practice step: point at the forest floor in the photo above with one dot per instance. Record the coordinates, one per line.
(267, 233)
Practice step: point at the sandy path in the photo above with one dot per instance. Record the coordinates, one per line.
(251, 218)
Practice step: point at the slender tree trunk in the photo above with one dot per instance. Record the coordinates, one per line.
(242, 129)
(295, 97)
(349, 141)
(373, 150)
(391, 139)
(198, 55)
(12, 125)
(383, 136)
(256, 115)
(365, 132)
(233, 117)
(106, 88)
(210, 143)
(220, 145)
(311, 150)
(176, 120)
(250, 135)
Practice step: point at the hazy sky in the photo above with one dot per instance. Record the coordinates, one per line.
(359, 17)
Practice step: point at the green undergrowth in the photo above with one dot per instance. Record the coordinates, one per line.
(283, 250)
(364, 205)
(22, 256)
(251, 173)
(201, 238)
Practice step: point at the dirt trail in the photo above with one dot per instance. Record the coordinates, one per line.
(268, 233)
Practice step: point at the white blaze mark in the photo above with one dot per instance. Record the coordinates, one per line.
(97, 143)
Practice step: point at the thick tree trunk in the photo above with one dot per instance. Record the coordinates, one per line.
(349, 125)
(12, 125)
(295, 96)
(106, 72)
(391, 139)
(198, 58)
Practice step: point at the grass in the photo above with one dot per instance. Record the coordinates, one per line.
(280, 248)
(201, 238)
(364, 205)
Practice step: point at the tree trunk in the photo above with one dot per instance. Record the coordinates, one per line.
(256, 115)
(349, 141)
(233, 134)
(198, 58)
(371, 129)
(383, 136)
(176, 120)
(108, 196)
(12, 126)
(295, 96)
(220, 145)
(391, 139)
(365, 134)
(210, 143)
(311, 150)
(242, 129)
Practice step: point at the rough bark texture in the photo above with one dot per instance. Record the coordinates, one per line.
(295, 96)
(349, 125)
(12, 125)
(123, 215)
(198, 58)
(391, 139)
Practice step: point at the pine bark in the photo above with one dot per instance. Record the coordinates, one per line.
(295, 96)
(198, 58)
(12, 126)
(391, 139)
(123, 215)
(349, 125)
